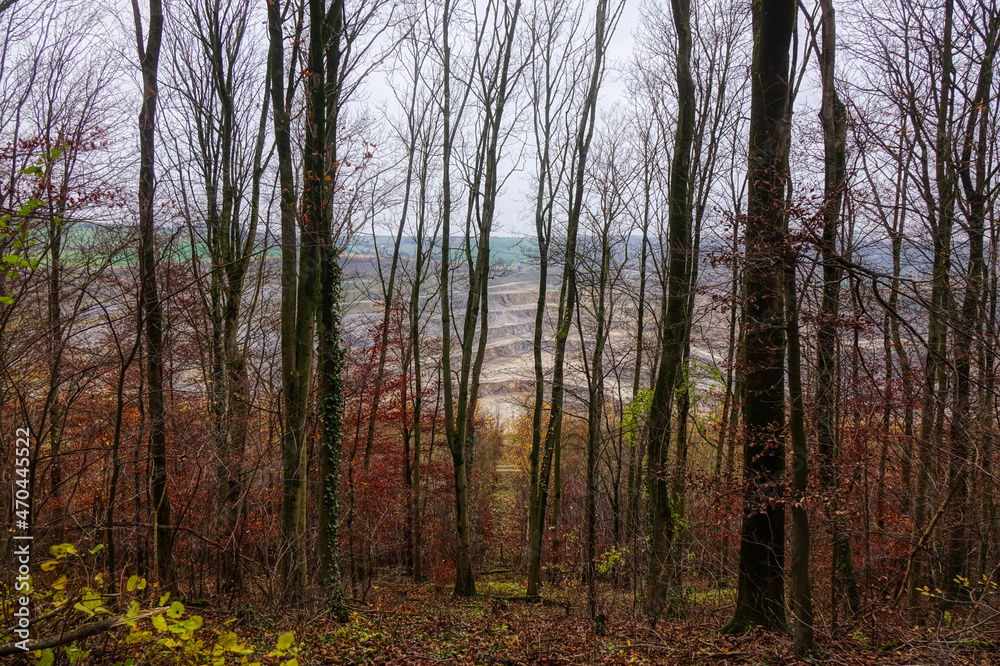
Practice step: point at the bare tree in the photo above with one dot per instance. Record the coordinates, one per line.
(604, 23)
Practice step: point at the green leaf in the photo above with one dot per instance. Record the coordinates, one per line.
(176, 610)
(62, 550)
(83, 609)
(285, 640)
(32, 171)
(91, 599)
(45, 658)
(160, 623)
(96, 549)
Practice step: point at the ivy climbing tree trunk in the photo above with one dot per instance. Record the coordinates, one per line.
(760, 598)
(149, 57)
(324, 97)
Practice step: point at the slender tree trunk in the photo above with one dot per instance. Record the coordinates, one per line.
(834, 119)
(464, 582)
(149, 56)
(595, 415)
(298, 293)
(662, 526)
(935, 380)
(109, 529)
(567, 297)
(801, 596)
(957, 543)
(633, 494)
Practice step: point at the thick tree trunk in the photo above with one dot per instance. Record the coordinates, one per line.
(760, 592)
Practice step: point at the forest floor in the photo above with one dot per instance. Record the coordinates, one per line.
(403, 623)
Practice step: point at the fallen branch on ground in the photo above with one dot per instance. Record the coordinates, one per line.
(79, 633)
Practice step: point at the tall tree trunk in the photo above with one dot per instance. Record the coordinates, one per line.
(760, 591)
(567, 296)
(633, 494)
(674, 327)
(935, 381)
(464, 582)
(324, 92)
(834, 120)
(390, 287)
(149, 56)
(969, 328)
(298, 291)
(595, 415)
(801, 596)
